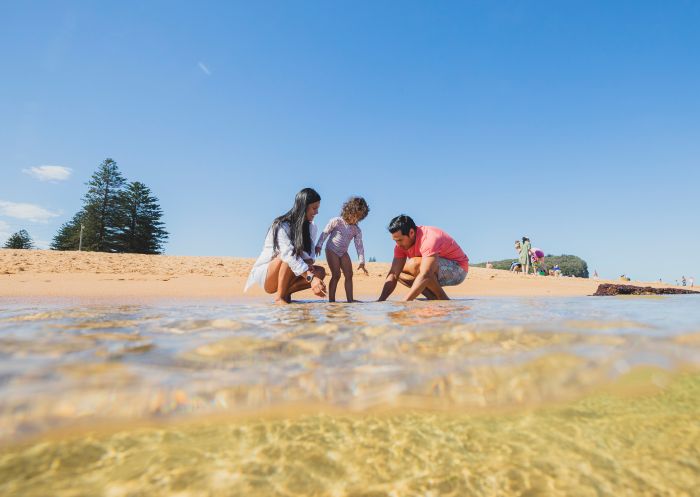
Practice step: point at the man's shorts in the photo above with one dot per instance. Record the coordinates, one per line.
(450, 273)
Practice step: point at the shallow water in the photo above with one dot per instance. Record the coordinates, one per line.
(582, 396)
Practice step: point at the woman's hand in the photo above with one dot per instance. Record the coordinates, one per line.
(318, 287)
(318, 250)
(361, 267)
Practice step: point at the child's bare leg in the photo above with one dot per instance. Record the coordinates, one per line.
(334, 265)
(346, 267)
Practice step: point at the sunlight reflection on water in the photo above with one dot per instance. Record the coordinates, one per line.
(76, 366)
(63, 362)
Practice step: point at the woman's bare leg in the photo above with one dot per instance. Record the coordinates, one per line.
(272, 277)
(300, 282)
(334, 265)
(285, 282)
(346, 268)
(282, 281)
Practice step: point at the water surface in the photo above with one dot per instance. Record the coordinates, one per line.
(580, 396)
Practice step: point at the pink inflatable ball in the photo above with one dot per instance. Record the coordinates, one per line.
(538, 253)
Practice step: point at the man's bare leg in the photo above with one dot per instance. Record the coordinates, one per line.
(433, 290)
(409, 273)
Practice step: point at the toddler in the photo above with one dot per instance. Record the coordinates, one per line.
(340, 231)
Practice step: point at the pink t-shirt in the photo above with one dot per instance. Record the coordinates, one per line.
(433, 241)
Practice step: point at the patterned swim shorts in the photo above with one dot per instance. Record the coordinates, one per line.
(450, 273)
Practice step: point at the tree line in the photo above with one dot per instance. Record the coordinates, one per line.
(116, 216)
(570, 265)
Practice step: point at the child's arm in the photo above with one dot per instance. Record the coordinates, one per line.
(360, 249)
(326, 231)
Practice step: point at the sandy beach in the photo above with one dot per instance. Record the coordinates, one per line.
(46, 273)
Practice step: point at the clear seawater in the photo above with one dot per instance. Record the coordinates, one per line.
(487, 396)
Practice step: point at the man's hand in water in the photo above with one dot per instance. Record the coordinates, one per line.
(362, 268)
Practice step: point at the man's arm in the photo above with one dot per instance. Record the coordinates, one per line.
(392, 278)
(428, 266)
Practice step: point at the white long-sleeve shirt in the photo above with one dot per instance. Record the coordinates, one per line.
(286, 253)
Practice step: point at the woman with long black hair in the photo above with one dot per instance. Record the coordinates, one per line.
(285, 264)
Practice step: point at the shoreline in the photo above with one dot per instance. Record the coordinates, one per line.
(98, 275)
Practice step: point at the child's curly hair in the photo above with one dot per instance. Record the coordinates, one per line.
(356, 207)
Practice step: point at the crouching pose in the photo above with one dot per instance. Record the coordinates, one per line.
(286, 263)
(426, 259)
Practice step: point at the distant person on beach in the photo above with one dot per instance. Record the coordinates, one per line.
(691, 281)
(525, 247)
(516, 266)
(537, 262)
(340, 231)
(285, 265)
(425, 260)
(683, 280)
(595, 274)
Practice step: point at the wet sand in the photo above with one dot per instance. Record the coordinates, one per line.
(45, 273)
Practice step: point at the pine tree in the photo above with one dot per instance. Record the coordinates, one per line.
(68, 236)
(114, 218)
(19, 240)
(141, 230)
(101, 208)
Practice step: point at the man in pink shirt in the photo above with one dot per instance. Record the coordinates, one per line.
(425, 260)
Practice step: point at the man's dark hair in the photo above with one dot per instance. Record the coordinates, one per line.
(401, 223)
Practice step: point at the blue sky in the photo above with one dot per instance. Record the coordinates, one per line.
(575, 123)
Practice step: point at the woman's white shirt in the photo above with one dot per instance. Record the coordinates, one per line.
(286, 253)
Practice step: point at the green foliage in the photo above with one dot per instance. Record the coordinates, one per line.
(570, 265)
(116, 217)
(68, 236)
(101, 206)
(372, 259)
(19, 240)
(141, 230)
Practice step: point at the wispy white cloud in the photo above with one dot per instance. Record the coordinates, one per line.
(204, 68)
(49, 173)
(28, 212)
